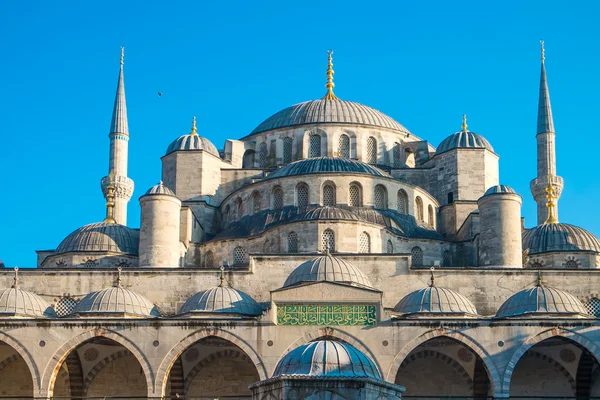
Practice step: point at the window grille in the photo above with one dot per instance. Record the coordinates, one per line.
(396, 154)
(278, 199)
(302, 195)
(380, 197)
(240, 256)
(65, 306)
(430, 215)
(571, 263)
(372, 150)
(209, 259)
(354, 196)
(390, 247)
(328, 195)
(328, 240)
(402, 202)
(315, 146)
(536, 265)
(417, 257)
(292, 242)
(344, 147)
(287, 150)
(419, 205)
(447, 258)
(262, 155)
(256, 202)
(592, 307)
(364, 243)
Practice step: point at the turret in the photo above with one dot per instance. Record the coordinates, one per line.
(159, 228)
(118, 156)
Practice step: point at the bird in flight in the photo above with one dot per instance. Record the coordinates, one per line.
(159, 94)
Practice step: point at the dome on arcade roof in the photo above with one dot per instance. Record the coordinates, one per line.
(192, 141)
(101, 236)
(327, 164)
(559, 237)
(327, 268)
(221, 300)
(464, 139)
(327, 358)
(15, 302)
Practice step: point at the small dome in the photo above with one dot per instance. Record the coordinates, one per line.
(101, 236)
(21, 303)
(192, 142)
(435, 300)
(328, 112)
(464, 140)
(319, 165)
(116, 300)
(222, 300)
(327, 358)
(499, 189)
(160, 189)
(559, 237)
(327, 268)
(541, 300)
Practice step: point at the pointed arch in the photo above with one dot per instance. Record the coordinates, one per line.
(26, 356)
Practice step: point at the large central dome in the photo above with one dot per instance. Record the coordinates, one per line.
(328, 111)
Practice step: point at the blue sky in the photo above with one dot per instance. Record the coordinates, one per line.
(233, 64)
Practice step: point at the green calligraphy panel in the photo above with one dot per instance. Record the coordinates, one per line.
(326, 314)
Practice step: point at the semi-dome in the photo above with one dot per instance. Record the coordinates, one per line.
(435, 301)
(327, 268)
(499, 189)
(192, 141)
(327, 358)
(221, 300)
(319, 165)
(101, 236)
(330, 112)
(160, 189)
(541, 300)
(464, 139)
(559, 237)
(116, 301)
(15, 302)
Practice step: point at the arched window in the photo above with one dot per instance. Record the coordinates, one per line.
(292, 242)
(450, 197)
(364, 243)
(314, 145)
(277, 198)
(592, 306)
(302, 195)
(227, 216)
(402, 202)
(390, 247)
(267, 247)
(355, 195)
(430, 215)
(397, 155)
(65, 306)
(419, 206)
(256, 202)
(380, 197)
(328, 195)
(417, 257)
(209, 259)
(262, 155)
(240, 208)
(240, 256)
(248, 160)
(571, 262)
(328, 240)
(372, 150)
(344, 147)
(287, 150)
(447, 258)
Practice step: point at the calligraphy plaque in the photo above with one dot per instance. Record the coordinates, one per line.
(326, 314)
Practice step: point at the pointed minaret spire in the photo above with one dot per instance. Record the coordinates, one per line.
(122, 186)
(546, 153)
(330, 85)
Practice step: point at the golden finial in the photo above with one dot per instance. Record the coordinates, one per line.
(432, 279)
(110, 200)
(194, 130)
(222, 283)
(550, 203)
(119, 269)
(540, 281)
(122, 55)
(16, 279)
(464, 124)
(330, 85)
(543, 50)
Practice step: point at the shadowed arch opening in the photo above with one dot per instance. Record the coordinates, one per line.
(15, 376)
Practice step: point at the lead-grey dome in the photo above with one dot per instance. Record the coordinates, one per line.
(499, 189)
(542, 300)
(327, 358)
(15, 302)
(221, 300)
(116, 301)
(192, 142)
(160, 189)
(435, 300)
(463, 139)
(319, 165)
(101, 236)
(559, 237)
(327, 268)
(328, 111)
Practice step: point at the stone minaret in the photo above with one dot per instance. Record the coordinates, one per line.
(117, 164)
(546, 152)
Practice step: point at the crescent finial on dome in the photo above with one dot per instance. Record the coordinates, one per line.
(16, 278)
(194, 130)
(464, 124)
(550, 204)
(110, 199)
(330, 85)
